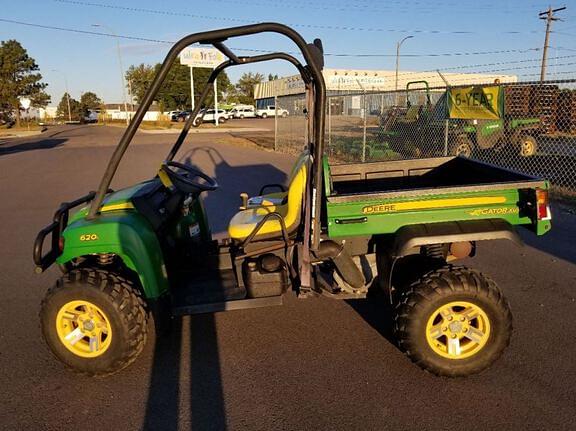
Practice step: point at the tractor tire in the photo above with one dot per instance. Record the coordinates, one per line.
(453, 322)
(528, 146)
(462, 146)
(94, 321)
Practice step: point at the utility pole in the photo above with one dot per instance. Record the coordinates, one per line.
(67, 93)
(121, 67)
(549, 17)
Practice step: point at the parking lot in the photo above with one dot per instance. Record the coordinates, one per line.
(315, 364)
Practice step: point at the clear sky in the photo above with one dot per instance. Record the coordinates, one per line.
(350, 27)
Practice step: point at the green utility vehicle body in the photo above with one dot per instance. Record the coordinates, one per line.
(354, 208)
(335, 230)
(360, 201)
(429, 130)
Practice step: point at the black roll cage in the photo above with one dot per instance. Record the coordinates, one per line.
(311, 74)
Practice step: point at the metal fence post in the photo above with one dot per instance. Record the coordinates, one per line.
(275, 123)
(446, 124)
(364, 131)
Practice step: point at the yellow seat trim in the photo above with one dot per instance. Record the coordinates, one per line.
(244, 222)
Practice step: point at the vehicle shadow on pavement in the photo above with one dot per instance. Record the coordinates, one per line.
(169, 380)
(186, 363)
(377, 312)
(43, 144)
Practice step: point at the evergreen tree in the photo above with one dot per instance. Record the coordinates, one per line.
(19, 77)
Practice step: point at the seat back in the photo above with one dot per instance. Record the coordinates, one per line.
(296, 189)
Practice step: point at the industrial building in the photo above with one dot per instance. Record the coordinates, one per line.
(340, 82)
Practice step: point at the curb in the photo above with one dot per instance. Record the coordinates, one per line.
(222, 130)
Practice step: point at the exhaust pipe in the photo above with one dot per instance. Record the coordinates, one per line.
(343, 262)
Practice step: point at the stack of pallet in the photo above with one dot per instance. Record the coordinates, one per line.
(517, 100)
(566, 118)
(544, 105)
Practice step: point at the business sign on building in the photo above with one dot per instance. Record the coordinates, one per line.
(355, 82)
(201, 57)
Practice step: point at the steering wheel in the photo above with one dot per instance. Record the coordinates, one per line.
(188, 179)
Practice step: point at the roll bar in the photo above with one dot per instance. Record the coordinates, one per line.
(311, 74)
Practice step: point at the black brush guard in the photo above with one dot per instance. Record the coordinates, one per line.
(59, 223)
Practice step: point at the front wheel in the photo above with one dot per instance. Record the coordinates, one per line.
(264, 115)
(453, 322)
(94, 321)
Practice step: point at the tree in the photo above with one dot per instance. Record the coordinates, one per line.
(75, 109)
(19, 78)
(272, 77)
(175, 91)
(140, 77)
(89, 101)
(245, 86)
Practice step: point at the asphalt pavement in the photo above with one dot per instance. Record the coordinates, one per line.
(315, 364)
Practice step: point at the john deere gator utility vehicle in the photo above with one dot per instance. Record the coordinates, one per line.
(334, 230)
(428, 129)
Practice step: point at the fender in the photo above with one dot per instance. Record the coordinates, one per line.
(410, 237)
(126, 234)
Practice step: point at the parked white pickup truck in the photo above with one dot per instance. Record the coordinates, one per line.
(270, 111)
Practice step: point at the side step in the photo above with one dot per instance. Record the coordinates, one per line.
(239, 304)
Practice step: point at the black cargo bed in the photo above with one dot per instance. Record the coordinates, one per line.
(422, 176)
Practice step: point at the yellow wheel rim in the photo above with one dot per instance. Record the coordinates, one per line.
(83, 328)
(458, 330)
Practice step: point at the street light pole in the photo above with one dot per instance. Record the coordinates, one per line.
(398, 45)
(67, 93)
(121, 67)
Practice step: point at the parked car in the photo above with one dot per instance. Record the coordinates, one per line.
(180, 116)
(208, 116)
(91, 116)
(270, 111)
(243, 112)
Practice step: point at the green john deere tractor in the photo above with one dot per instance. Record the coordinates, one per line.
(131, 256)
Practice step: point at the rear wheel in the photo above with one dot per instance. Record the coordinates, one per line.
(94, 321)
(528, 146)
(453, 322)
(462, 147)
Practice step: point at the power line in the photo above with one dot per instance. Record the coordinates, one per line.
(501, 63)
(144, 39)
(397, 6)
(244, 21)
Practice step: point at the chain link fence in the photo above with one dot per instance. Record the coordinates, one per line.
(535, 135)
